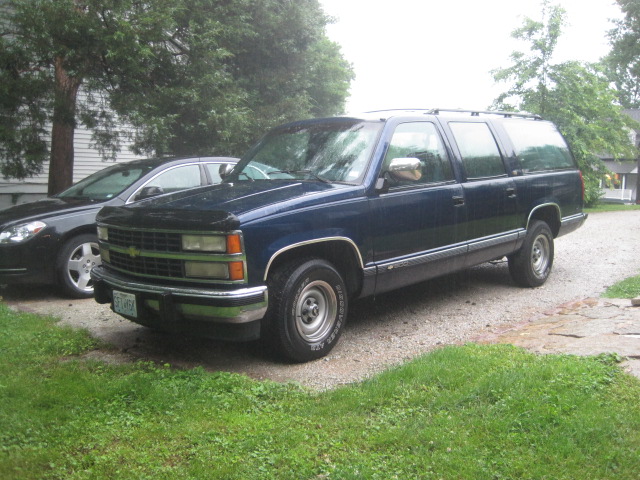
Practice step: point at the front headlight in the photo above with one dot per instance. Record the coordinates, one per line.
(205, 243)
(207, 270)
(21, 233)
(103, 234)
(105, 255)
(229, 244)
(220, 270)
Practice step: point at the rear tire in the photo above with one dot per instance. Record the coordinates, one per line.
(531, 265)
(307, 309)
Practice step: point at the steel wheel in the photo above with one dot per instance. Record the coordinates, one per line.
(316, 311)
(531, 265)
(307, 309)
(540, 256)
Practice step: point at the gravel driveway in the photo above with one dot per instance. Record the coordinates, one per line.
(390, 328)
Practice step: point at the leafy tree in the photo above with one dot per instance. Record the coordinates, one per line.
(191, 76)
(623, 61)
(577, 97)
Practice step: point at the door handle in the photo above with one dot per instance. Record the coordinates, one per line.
(511, 192)
(458, 201)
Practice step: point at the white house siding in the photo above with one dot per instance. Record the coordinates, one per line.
(87, 160)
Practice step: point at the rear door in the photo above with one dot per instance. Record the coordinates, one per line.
(489, 191)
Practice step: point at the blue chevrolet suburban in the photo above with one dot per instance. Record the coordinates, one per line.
(323, 211)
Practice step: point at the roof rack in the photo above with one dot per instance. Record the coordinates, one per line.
(474, 113)
(477, 113)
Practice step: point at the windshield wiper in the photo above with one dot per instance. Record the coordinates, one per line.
(304, 172)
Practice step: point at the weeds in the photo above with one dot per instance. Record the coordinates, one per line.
(628, 288)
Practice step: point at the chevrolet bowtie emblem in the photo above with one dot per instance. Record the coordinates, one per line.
(133, 252)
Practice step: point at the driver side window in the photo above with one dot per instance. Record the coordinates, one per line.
(419, 140)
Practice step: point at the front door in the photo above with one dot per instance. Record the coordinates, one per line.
(418, 220)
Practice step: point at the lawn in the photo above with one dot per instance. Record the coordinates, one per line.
(628, 288)
(462, 412)
(611, 207)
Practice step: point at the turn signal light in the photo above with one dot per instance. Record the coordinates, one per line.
(236, 270)
(234, 245)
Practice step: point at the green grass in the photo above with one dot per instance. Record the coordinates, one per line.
(628, 288)
(470, 412)
(611, 207)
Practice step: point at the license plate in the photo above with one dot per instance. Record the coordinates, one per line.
(125, 304)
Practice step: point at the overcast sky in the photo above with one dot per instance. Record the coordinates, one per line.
(439, 53)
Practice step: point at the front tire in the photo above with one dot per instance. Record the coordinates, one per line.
(77, 257)
(531, 265)
(308, 309)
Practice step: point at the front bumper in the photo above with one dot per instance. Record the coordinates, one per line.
(27, 263)
(221, 314)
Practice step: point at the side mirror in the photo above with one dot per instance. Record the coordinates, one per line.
(405, 169)
(148, 192)
(225, 169)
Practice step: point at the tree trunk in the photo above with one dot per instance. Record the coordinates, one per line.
(63, 129)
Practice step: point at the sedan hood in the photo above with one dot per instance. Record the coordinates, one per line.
(43, 209)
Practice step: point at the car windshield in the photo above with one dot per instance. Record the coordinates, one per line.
(107, 183)
(330, 151)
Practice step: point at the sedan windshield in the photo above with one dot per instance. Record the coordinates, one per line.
(107, 183)
(330, 151)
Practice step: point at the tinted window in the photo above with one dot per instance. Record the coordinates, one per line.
(538, 145)
(480, 154)
(420, 140)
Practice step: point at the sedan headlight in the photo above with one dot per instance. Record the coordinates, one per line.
(21, 233)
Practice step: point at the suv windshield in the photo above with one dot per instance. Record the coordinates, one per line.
(329, 151)
(107, 183)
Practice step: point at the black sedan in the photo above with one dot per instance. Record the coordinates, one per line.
(53, 241)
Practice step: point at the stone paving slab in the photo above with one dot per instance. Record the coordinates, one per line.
(587, 327)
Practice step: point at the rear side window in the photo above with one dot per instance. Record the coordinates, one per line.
(480, 154)
(538, 146)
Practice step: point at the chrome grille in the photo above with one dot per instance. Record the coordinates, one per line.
(146, 240)
(159, 267)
